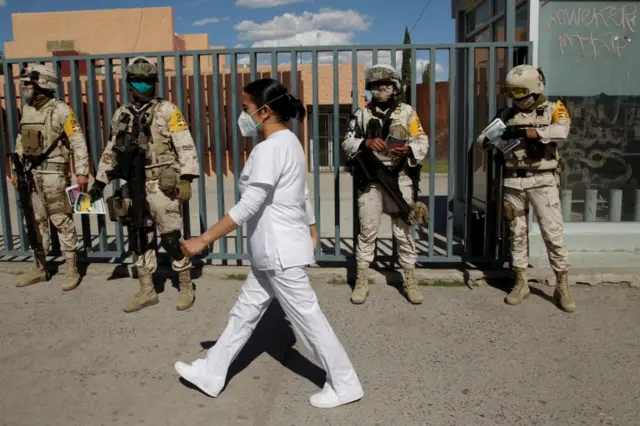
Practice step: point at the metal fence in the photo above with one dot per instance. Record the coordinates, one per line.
(207, 87)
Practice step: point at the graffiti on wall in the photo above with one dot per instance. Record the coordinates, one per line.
(605, 30)
(603, 149)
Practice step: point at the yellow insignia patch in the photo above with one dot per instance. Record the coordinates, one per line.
(71, 125)
(177, 121)
(560, 113)
(415, 128)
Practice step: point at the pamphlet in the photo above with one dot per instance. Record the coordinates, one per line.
(493, 134)
(81, 202)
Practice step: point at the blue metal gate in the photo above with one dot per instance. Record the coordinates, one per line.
(207, 86)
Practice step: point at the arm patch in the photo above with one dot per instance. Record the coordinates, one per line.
(71, 126)
(177, 121)
(560, 113)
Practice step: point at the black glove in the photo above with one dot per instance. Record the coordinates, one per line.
(96, 190)
(513, 132)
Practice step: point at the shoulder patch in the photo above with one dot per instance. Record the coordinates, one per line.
(177, 121)
(71, 126)
(415, 127)
(560, 113)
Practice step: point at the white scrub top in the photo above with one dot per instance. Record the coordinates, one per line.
(279, 231)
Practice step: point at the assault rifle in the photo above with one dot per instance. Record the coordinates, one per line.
(25, 185)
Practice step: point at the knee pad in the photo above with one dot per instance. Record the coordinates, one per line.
(171, 242)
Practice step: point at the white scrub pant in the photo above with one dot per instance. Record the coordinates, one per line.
(298, 300)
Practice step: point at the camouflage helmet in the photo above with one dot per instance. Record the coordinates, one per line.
(41, 75)
(522, 81)
(141, 68)
(383, 73)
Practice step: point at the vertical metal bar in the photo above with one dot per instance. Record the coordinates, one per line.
(468, 154)
(162, 84)
(336, 151)
(274, 65)
(76, 102)
(590, 205)
(294, 86)
(94, 132)
(414, 52)
(55, 241)
(10, 97)
(510, 22)
(490, 220)
(615, 205)
(236, 143)
(432, 137)
(316, 147)
(636, 210)
(57, 67)
(374, 56)
(124, 89)
(219, 151)
(186, 216)
(197, 101)
(109, 108)
(393, 58)
(355, 105)
(253, 57)
(453, 66)
(566, 199)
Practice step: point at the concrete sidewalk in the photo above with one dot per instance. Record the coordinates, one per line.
(461, 358)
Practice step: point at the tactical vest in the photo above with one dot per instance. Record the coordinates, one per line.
(39, 131)
(397, 126)
(138, 127)
(534, 155)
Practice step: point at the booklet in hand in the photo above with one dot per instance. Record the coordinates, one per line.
(393, 143)
(81, 202)
(493, 134)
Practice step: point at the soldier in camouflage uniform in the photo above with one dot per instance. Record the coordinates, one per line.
(531, 176)
(49, 128)
(386, 116)
(171, 166)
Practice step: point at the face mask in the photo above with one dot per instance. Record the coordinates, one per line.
(141, 86)
(27, 94)
(524, 103)
(248, 126)
(382, 93)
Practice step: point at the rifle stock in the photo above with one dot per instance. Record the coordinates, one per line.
(24, 179)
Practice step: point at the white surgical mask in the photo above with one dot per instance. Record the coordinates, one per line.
(246, 123)
(382, 93)
(27, 93)
(524, 103)
(248, 126)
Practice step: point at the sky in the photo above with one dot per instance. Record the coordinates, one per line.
(267, 23)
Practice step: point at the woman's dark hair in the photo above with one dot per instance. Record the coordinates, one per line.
(269, 91)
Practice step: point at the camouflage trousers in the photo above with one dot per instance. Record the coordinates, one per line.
(167, 215)
(50, 201)
(541, 192)
(371, 202)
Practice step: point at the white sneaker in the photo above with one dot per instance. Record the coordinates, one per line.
(327, 398)
(190, 373)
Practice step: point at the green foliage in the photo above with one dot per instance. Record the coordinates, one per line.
(406, 66)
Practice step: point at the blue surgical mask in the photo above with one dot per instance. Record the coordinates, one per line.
(142, 86)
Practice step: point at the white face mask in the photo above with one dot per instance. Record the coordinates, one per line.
(246, 123)
(524, 103)
(248, 126)
(27, 93)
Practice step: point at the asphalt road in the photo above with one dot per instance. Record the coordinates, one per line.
(461, 358)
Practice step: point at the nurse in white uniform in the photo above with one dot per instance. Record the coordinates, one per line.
(275, 206)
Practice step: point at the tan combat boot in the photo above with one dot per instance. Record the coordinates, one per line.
(187, 294)
(361, 289)
(36, 275)
(521, 290)
(411, 287)
(147, 295)
(562, 295)
(71, 276)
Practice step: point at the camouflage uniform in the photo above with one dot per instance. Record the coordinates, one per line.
(531, 178)
(43, 121)
(403, 124)
(171, 166)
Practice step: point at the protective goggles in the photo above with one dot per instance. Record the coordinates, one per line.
(31, 76)
(515, 92)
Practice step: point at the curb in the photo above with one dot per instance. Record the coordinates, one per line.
(629, 277)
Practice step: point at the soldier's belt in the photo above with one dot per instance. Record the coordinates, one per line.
(54, 167)
(519, 173)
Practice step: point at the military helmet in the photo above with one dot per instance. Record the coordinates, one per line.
(141, 68)
(522, 81)
(41, 75)
(384, 74)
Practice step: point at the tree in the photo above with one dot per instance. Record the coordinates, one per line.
(406, 66)
(426, 73)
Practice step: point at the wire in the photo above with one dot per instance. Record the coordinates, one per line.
(420, 17)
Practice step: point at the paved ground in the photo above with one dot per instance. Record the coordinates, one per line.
(462, 358)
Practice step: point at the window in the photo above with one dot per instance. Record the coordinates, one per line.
(478, 16)
(522, 23)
